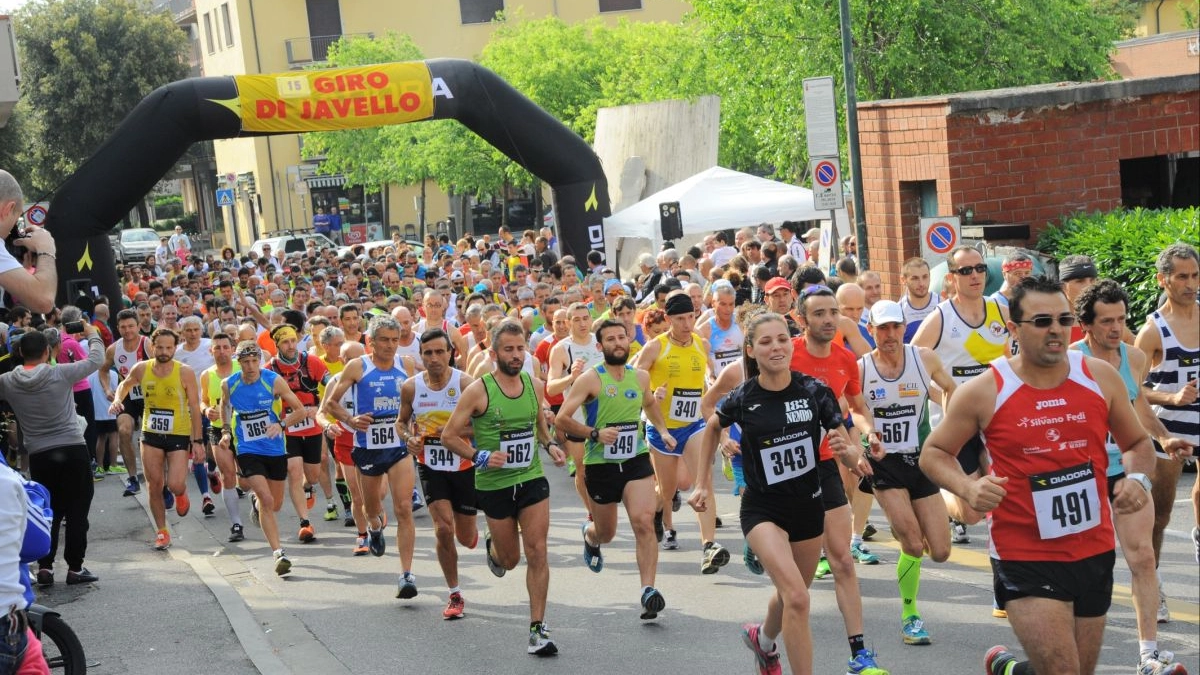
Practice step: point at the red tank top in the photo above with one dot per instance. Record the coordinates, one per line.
(1050, 445)
(838, 371)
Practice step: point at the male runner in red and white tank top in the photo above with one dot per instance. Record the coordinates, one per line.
(1043, 415)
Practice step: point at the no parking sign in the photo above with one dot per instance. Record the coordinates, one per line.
(939, 236)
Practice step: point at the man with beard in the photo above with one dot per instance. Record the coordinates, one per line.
(426, 402)
(221, 348)
(304, 375)
(569, 358)
(917, 302)
(1051, 538)
(505, 410)
(896, 381)
(378, 451)
(170, 425)
(613, 395)
(124, 354)
(195, 353)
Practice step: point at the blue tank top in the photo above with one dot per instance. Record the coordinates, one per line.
(377, 393)
(1131, 389)
(253, 411)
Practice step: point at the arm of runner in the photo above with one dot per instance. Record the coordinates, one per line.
(290, 402)
(929, 332)
(191, 391)
(703, 492)
(644, 360)
(864, 421)
(653, 411)
(454, 436)
(937, 373)
(584, 390)
(133, 379)
(543, 427)
(332, 404)
(1176, 447)
(1137, 453)
(1150, 342)
(404, 421)
(855, 342)
(969, 412)
(561, 372)
(105, 367)
(725, 382)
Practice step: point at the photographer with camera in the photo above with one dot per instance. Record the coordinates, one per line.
(41, 397)
(35, 247)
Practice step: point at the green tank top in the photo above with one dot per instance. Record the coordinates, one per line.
(619, 404)
(508, 426)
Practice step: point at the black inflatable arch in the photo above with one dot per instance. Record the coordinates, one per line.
(168, 121)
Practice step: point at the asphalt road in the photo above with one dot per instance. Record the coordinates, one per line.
(207, 606)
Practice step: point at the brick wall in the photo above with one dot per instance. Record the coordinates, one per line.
(1027, 155)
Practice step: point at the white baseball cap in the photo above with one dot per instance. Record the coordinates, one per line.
(886, 311)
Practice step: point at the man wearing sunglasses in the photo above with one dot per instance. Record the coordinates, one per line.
(1045, 414)
(967, 332)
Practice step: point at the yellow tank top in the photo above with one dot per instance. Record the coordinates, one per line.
(682, 370)
(213, 381)
(167, 410)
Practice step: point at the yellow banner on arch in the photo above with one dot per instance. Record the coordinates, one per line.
(343, 98)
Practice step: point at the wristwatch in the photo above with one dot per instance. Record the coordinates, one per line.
(594, 435)
(1141, 479)
(198, 440)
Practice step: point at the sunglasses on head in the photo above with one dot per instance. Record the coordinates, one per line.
(967, 270)
(1044, 320)
(816, 290)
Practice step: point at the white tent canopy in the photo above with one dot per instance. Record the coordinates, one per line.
(717, 199)
(714, 199)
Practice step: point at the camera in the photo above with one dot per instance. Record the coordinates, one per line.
(73, 327)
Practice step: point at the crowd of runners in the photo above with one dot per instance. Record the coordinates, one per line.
(447, 377)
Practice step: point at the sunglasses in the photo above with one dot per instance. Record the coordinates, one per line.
(966, 271)
(816, 290)
(616, 294)
(1044, 320)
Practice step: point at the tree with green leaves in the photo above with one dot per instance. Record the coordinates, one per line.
(86, 64)
(902, 48)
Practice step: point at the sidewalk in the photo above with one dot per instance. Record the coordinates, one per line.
(151, 612)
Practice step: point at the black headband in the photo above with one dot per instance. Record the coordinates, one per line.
(679, 304)
(1078, 270)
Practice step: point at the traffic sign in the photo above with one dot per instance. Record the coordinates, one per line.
(820, 116)
(939, 236)
(827, 183)
(36, 215)
(225, 197)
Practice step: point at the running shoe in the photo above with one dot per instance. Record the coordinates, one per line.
(454, 608)
(207, 508)
(375, 542)
(98, 474)
(1196, 541)
(131, 487)
(726, 468)
(254, 510)
(718, 522)
(182, 504)
(282, 564)
(496, 568)
(417, 502)
(349, 521)
(914, 632)
(331, 512)
(716, 556)
(570, 467)
(869, 531)
(1161, 663)
(653, 602)
(767, 663)
(658, 526)
(958, 533)
(214, 482)
(168, 498)
(996, 611)
(591, 554)
(309, 497)
(407, 587)
(540, 643)
(236, 533)
(162, 540)
(862, 555)
(864, 663)
(669, 542)
(823, 569)
(116, 470)
(81, 576)
(750, 558)
(998, 661)
(360, 546)
(676, 501)
(307, 534)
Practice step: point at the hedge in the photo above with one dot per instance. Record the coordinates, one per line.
(1124, 244)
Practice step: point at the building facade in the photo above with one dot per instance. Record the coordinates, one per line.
(274, 188)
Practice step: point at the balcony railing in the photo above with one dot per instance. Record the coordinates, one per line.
(302, 51)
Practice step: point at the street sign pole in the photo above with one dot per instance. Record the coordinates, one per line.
(860, 218)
